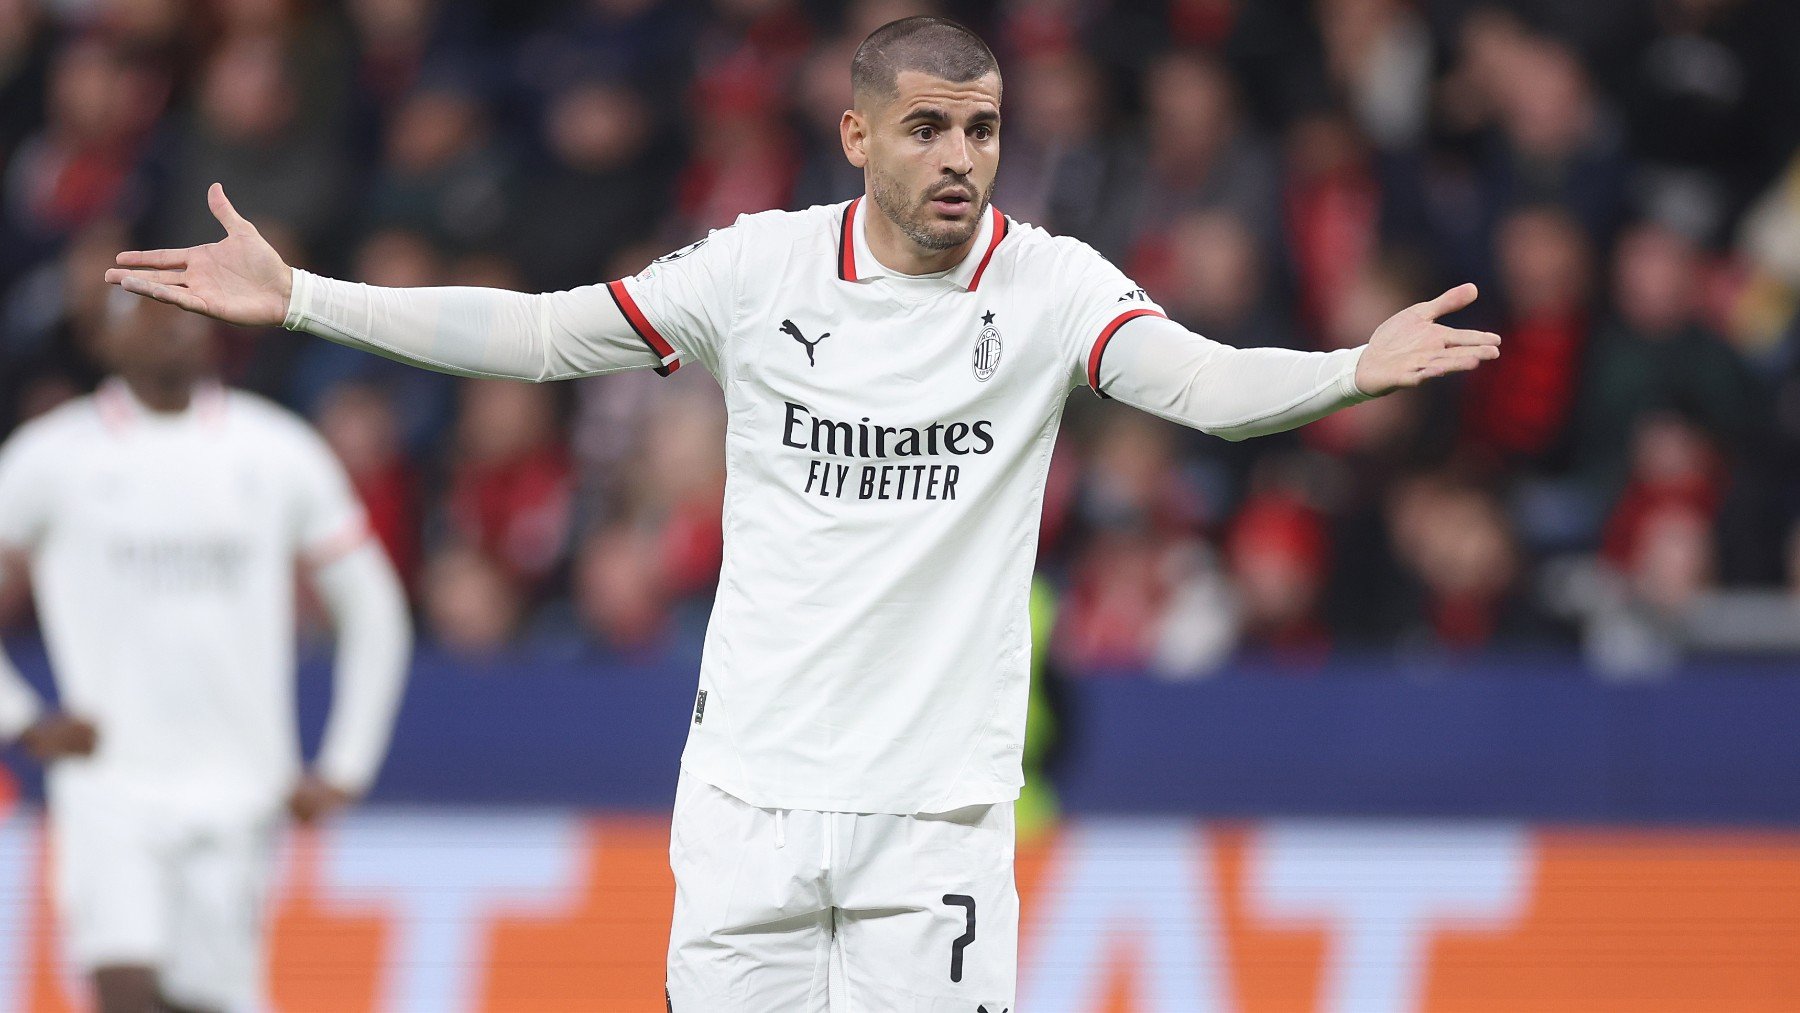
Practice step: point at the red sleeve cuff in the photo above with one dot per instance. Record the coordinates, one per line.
(645, 330)
(1106, 335)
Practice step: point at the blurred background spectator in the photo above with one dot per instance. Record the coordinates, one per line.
(1623, 179)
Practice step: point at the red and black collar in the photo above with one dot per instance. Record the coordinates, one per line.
(998, 226)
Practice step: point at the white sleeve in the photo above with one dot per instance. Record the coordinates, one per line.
(486, 332)
(1097, 300)
(374, 642)
(1120, 344)
(687, 300)
(1169, 371)
(681, 302)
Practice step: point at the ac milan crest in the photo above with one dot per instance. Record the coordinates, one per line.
(987, 348)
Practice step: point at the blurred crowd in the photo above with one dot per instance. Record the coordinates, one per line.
(1622, 178)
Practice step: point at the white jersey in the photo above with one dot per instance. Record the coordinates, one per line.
(163, 551)
(886, 448)
(887, 445)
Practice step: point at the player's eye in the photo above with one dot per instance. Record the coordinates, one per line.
(924, 133)
(982, 133)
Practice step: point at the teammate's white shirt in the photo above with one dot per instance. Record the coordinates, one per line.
(887, 443)
(163, 550)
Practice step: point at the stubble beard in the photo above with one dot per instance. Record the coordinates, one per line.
(915, 219)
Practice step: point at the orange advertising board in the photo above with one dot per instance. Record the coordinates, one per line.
(547, 911)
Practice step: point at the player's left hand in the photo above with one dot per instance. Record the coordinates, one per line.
(1412, 347)
(315, 798)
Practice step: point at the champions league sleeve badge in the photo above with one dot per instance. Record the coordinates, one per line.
(987, 348)
(649, 270)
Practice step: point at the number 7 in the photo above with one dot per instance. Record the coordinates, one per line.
(961, 942)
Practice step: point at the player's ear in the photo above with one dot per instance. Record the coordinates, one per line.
(853, 130)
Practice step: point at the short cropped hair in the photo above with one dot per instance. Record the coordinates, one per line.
(936, 46)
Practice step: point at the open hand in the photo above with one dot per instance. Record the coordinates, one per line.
(315, 798)
(239, 279)
(1411, 347)
(54, 736)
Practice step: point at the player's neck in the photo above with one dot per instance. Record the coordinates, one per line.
(896, 252)
(166, 394)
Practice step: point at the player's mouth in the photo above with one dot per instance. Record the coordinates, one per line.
(953, 203)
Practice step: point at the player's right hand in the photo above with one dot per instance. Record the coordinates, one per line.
(55, 736)
(239, 279)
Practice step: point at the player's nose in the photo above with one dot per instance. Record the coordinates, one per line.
(958, 156)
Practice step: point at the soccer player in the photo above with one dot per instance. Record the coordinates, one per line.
(162, 519)
(894, 368)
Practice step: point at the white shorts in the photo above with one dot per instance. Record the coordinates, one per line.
(776, 908)
(135, 888)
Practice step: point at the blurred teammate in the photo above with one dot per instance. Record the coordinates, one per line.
(895, 369)
(162, 519)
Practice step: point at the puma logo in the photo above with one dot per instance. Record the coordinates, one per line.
(794, 332)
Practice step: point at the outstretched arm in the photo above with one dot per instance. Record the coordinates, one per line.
(467, 331)
(1236, 393)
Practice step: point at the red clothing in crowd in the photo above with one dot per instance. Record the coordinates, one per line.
(1699, 493)
(1518, 405)
(391, 497)
(69, 187)
(517, 511)
(1114, 604)
(693, 545)
(1280, 552)
(1332, 231)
